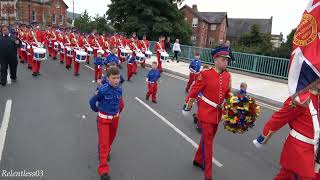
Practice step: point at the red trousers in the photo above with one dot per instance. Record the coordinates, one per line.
(61, 57)
(76, 67)
(143, 64)
(130, 68)
(50, 49)
(23, 56)
(192, 78)
(289, 175)
(107, 130)
(54, 54)
(159, 63)
(36, 66)
(30, 58)
(152, 90)
(97, 73)
(135, 68)
(95, 53)
(204, 152)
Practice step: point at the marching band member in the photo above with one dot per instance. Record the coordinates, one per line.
(212, 87)
(194, 68)
(159, 47)
(108, 117)
(134, 48)
(87, 46)
(62, 41)
(300, 157)
(23, 37)
(30, 41)
(77, 42)
(96, 45)
(39, 41)
(54, 36)
(130, 65)
(152, 82)
(98, 63)
(112, 57)
(69, 36)
(144, 44)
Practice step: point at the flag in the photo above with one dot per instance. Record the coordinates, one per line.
(305, 57)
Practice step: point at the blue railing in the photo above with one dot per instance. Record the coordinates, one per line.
(264, 65)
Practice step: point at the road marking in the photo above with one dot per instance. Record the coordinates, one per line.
(194, 144)
(8, 78)
(4, 125)
(89, 67)
(268, 106)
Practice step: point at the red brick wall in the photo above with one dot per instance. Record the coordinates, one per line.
(219, 33)
(25, 9)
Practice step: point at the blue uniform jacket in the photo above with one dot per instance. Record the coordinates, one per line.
(195, 65)
(131, 59)
(153, 75)
(98, 61)
(111, 58)
(108, 99)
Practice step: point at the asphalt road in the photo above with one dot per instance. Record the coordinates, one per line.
(47, 132)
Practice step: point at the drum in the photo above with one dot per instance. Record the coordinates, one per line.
(81, 56)
(23, 46)
(39, 54)
(28, 49)
(56, 46)
(69, 52)
(61, 49)
(148, 54)
(140, 57)
(164, 56)
(89, 51)
(50, 43)
(123, 53)
(100, 51)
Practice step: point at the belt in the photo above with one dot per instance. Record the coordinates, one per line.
(152, 82)
(302, 138)
(104, 116)
(211, 103)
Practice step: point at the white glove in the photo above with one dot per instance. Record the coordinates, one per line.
(257, 144)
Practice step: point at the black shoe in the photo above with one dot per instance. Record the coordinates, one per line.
(195, 119)
(14, 79)
(38, 74)
(177, 61)
(76, 74)
(61, 62)
(34, 74)
(3, 83)
(88, 62)
(29, 67)
(154, 102)
(105, 176)
(196, 164)
(55, 58)
(147, 98)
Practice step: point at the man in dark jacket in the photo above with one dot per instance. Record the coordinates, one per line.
(8, 56)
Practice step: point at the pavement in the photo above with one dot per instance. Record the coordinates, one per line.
(51, 128)
(266, 90)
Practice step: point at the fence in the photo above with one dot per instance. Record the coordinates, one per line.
(264, 65)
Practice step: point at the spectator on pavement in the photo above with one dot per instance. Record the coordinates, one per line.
(167, 45)
(176, 49)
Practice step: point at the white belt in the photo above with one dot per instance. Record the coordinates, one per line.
(302, 138)
(211, 103)
(151, 82)
(107, 116)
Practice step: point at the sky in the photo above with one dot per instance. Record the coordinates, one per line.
(286, 13)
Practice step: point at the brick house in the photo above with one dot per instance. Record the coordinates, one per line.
(208, 28)
(45, 12)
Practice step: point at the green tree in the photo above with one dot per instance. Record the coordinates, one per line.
(83, 22)
(155, 17)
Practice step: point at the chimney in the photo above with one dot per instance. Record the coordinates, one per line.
(195, 8)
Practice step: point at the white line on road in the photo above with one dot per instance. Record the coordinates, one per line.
(194, 144)
(4, 125)
(8, 78)
(89, 67)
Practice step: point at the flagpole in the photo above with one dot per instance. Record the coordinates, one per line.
(73, 9)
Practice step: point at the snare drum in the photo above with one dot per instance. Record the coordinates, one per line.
(56, 46)
(61, 48)
(148, 54)
(89, 50)
(81, 56)
(39, 54)
(69, 52)
(100, 51)
(140, 57)
(164, 56)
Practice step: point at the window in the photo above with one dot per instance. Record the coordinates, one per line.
(61, 19)
(34, 16)
(211, 41)
(193, 38)
(186, 19)
(54, 20)
(195, 22)
(213, 27)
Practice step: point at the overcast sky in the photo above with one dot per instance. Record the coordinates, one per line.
(286, 13)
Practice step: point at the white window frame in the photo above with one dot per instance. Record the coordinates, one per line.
(34, 16)
(213, 27)
(61, 19)
(195, 22)
(54, 19)
(194, 38)
(211, 41)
